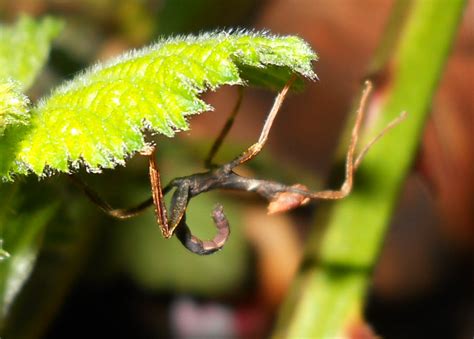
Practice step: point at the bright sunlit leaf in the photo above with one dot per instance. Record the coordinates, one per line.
(98, 118)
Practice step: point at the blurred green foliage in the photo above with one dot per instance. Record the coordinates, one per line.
(24, 48)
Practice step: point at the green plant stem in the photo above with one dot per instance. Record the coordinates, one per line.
(327, 296)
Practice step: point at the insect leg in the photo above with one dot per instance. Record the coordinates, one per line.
(105, 206)
(387, 128)
(283, 197)
(179, 203)
(279, 202)
(297, 193)
(157, 194)
(350, 168)
(253, 150)
(225, 130)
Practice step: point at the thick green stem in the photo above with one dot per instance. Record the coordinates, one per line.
(328, 294)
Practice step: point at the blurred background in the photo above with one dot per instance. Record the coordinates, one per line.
(99, 277)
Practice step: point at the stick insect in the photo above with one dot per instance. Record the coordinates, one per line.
(281, 197)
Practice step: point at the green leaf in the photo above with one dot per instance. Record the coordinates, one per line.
(98, 118)
(13, 105)
(47, 234)
(23, 51)
(24, 48)
(23, 238)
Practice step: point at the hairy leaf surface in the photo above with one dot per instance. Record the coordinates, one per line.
(13, 105)
(98, 118)
(24, 48)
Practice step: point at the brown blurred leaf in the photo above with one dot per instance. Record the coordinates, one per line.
(447, 158)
